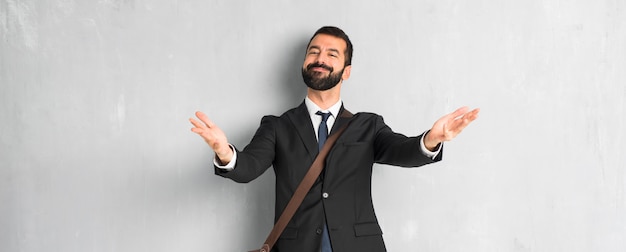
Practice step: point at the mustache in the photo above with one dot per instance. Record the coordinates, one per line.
(312, 65)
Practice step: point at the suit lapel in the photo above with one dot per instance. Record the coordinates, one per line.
(344, 117)
(302, 123)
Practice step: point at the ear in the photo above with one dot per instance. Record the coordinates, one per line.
(346, 72)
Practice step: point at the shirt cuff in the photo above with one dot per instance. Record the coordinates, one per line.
(231, 165)
(425, 151)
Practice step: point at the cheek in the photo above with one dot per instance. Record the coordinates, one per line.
(307, 61)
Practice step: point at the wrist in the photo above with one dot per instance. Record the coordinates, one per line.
(224, 157)
(430, 143)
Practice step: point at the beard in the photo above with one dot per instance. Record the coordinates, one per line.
(316, 81)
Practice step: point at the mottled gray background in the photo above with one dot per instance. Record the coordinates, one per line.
(96, 152)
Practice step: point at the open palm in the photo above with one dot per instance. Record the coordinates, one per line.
(449, 126)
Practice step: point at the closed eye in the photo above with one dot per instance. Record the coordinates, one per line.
(314, 50)
(333, 53)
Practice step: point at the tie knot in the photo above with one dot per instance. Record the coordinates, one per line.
(324, 115)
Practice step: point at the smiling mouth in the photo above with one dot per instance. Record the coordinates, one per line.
(319, 68)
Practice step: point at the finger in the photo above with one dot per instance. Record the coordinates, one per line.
(474, 114)
(205, 119)
(196, 123)
(470, 116)
(459, 112)
(460, 123)
(198, 131)
(464, 118)
(453, 129)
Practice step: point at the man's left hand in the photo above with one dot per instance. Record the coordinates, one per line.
(449, 126)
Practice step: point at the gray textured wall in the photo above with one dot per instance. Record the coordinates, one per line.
(96, 152)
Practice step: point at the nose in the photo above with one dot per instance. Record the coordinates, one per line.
(320, 59)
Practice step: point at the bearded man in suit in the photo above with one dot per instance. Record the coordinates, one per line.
(337, 214)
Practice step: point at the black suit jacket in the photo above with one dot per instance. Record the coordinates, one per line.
(342, 194)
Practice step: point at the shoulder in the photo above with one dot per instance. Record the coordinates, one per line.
(287, 117)
(367, 116)
(369, 120)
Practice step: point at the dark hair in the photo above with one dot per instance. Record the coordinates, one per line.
(336, 32)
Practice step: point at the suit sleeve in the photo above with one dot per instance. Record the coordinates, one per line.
(256, 157)
(397, 149)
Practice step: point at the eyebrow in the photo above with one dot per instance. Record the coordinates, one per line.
(313, 47)
(334, 50)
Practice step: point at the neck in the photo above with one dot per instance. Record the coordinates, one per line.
(325, 99)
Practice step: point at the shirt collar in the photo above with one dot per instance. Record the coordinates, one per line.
(313, 108)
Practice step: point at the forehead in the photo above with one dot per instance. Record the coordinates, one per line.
(325, 41)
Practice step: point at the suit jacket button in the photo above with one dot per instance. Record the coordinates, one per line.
(318, 231)
(325, 195)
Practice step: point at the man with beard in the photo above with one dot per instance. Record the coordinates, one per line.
(337, 214)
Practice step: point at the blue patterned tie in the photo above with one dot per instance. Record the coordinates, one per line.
(322, 131)
(322, 134)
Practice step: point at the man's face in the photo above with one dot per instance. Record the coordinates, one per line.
(324, 62)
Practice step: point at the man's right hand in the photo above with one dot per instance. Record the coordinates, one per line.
(213, 136)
